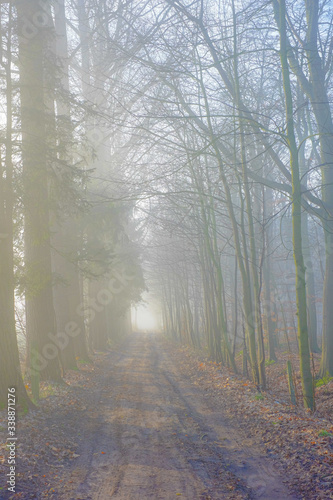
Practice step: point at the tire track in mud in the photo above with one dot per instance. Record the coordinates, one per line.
(153, 434)
(244, 457)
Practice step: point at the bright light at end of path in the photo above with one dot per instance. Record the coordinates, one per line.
(144, 319)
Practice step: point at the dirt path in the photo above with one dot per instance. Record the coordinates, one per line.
(150, 433)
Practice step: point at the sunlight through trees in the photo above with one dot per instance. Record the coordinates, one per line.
(185, 148)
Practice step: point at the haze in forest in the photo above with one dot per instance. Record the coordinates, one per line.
(181, 149)
(166, 249)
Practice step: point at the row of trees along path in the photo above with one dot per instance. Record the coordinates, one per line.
(194, 140)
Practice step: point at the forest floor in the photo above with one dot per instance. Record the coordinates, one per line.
(153, 420)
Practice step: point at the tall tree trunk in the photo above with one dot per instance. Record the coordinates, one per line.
(310, 287)
(302, 332)
(249, 211)
(11, 375)
(267, 266)
(309, 273)
(41, 323)
(98, 323)
(68, 297)
(61, 295)
(315, 88)
(241, 259)
(322, 111)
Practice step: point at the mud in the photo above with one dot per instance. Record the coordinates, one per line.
(151, 433)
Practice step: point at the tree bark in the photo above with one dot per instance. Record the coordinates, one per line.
(302, 332)
(41, 323)
(11, 374)
(322, 111)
